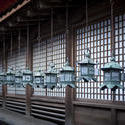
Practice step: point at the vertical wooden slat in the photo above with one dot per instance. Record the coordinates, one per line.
(113, 117)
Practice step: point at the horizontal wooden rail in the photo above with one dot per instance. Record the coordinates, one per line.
(48, 117)
(16, 103)
(49, 109)
(99, 105)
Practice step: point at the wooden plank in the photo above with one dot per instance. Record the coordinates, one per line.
(49, 113)
(16, 100)
(99, 105)
(16, 110)
(16, 103)
(16, 96)
(15, 106)
(48, 104)
(48, 108)
(48, 99)
(48, 117)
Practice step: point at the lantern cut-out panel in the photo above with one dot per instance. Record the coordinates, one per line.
(2, 78)
(10, 76)
(112, 75)
(51, 77)
(38, 79)
(27, 77)
(19, 78)
(67, 76)
(87, 70)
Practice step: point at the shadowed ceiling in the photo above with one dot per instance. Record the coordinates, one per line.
(5, 4)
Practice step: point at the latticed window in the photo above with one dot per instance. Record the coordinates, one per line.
(98, 39)
(45, 53)
(17, 61)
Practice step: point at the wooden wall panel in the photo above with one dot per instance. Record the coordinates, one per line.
(92, 116)
(121, 117)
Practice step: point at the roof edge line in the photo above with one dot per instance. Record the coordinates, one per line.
(14, 10)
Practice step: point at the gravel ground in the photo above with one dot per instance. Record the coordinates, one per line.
(18, 119)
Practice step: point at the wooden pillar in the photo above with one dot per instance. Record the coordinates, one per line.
(28, 99)
(69, 108)
(4, 69)
(29, 89)
(113, 117)
(4, 94)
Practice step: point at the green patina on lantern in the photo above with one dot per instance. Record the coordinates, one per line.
(51, 77)
(2, 78)
(112, 75)
(67, 76)
(27, 77)
(10, 77)
(38, 79)
(18, 78)
(87, 71)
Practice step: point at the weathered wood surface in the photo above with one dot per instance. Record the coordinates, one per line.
(19, 119)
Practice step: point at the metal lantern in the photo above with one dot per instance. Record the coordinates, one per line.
(51, 77)
(27, 77)
(38, 79)
(18, 78)
(2, 78)
(87, 71)
(67, 76)
(10, 77)
(112, 75)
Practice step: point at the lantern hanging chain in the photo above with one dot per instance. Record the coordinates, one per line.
(27, 45)
(86, 47)
(11, 46)
(67, 26)
(112, 29)
(39, 40)
(52, 31)
(86, 16)
(19, 38)
(4, 51)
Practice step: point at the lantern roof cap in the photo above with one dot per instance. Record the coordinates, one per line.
(10, 70)
(67, 67)
(38, 73)
(87, 59)
(27, 71)
(51, 69)
(2, 73)
(18, 73)
(111, 86)
(112, 65)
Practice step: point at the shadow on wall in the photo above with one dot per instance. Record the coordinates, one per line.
(3, 123)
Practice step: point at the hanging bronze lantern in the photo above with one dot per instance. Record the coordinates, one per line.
(27, 77)
(112, 75)
(67, 76)
(18, 78)
(51, 77)
(2, 78)
(38, 79)
(10, 77)
(87, 71)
